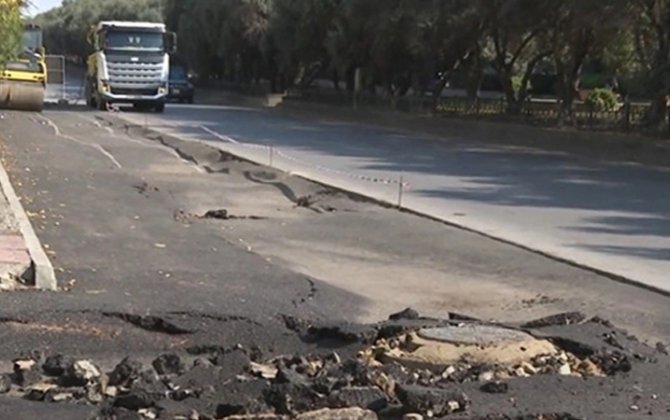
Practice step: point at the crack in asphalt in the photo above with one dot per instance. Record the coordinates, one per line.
(310, 295)
(5, 320)
(95, 146)
(220, 318)
(150, 323)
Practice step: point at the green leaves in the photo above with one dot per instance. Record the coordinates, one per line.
(66, 27)
(399, 45)
(10, 29)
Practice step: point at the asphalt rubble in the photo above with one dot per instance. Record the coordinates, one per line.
(391, 370)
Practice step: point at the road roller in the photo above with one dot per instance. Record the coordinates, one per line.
(23, 80)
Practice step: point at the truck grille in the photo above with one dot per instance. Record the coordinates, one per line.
(123, 70)
(129, 91)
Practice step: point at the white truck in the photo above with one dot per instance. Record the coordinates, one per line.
(130, 64)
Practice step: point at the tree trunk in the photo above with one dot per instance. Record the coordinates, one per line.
(350, 78)
(336, 80)
(505, 78)
(568, 83)
(656, 119)
(658, 90)
(474, 74)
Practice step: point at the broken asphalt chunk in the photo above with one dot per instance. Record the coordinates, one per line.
(168, 364)
(126, 372)
(38, 391)
(80, 373)
(371, 398)
(495, 387)
(289, 398)
(5, 384)
(57, 365)
(25, 373)
(567, 318)
(432, 402)
(135, 399)
(613, 362)
(342, 333)
(407, 313)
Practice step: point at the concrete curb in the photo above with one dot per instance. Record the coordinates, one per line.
(43, 271)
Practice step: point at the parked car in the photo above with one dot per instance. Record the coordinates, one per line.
(181, 89)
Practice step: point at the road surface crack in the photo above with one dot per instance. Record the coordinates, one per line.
(150, 323)
(219, 318)
(310, 295)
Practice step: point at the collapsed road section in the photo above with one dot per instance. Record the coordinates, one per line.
(562, 367)
(198, 285)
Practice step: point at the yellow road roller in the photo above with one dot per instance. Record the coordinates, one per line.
(23, 81)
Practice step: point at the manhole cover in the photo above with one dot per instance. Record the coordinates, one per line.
(480, 335)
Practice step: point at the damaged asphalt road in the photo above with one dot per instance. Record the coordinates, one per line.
(221, 268)
(559, 370)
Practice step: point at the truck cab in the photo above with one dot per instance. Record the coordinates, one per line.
(130, 64)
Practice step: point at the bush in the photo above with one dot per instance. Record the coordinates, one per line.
(592, 81)
(602, 100)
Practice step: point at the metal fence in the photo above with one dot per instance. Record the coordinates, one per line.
(56, 77)
(627, 116)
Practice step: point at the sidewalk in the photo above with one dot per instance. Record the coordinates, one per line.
(23, 261)
(14, 256)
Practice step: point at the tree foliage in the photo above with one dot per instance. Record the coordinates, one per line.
(10, 29)
(66, 27)
(401, 47)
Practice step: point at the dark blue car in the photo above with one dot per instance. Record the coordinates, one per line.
(181, 89)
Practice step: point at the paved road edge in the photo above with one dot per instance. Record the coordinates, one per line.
(43, 271)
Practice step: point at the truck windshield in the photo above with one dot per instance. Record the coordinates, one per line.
(134, 40)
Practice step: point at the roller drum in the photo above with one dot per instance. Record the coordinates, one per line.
(21, 96)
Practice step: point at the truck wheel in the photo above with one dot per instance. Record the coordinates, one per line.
(101, 103)
(159, 107)
(90, 102)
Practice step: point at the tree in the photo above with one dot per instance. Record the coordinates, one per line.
(298, 30)
(10, 29)
(456, 35)
(350, 38)
(223, 39)
(652, 49)
(514, 29)
(66, 27)
(576, 30)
